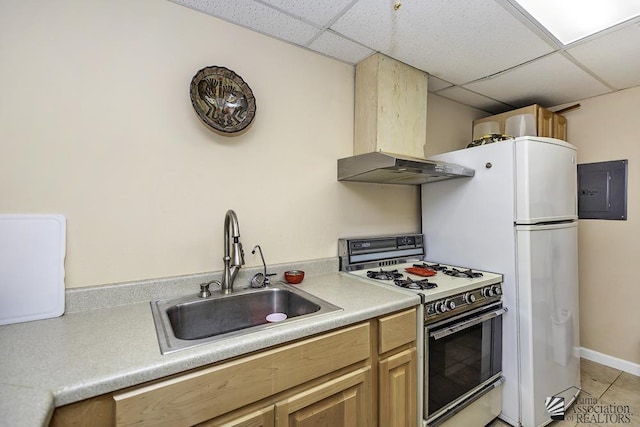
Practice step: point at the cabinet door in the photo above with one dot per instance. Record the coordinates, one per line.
(559, 127)
(545, 122)
(342, 402)
(264, 417)
(397, 393)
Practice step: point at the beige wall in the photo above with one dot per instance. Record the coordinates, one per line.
(606, 128)
(97, 125)
(449, 125)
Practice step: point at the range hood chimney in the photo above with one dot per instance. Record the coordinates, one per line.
(390, 127)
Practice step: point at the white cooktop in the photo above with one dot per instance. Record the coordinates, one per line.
(447, 285)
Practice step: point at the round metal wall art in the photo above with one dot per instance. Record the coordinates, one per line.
(222, 100)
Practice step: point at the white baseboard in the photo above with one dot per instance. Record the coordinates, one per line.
(613, 362)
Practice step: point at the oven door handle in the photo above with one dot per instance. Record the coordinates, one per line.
(441, 333)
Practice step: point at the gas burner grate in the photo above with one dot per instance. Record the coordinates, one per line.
(462, 273)
(436, 267)
(415, 284)
(384, 275)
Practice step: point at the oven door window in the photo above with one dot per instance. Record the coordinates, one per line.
(460, 361)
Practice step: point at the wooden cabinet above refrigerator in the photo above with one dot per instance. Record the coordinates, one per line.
(533, 120)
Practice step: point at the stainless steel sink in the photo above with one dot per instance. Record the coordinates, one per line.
(190, 321)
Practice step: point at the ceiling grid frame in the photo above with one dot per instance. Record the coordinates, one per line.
(454, 41)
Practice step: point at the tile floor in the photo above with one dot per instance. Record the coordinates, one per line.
(606, 386)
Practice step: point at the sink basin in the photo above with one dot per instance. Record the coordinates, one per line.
(189, 321)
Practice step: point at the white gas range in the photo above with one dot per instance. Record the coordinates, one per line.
(462, 341)
(399, 261)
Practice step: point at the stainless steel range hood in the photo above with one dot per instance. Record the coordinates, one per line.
(391, 117)
(390, 168)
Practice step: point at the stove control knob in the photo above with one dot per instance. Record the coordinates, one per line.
(469, 298)
(449, 304)
(488, 292)
(440, 307)
(497, 290)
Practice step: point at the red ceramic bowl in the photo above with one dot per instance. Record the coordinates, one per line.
(294, 276)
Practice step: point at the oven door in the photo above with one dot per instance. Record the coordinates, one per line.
(463, 358)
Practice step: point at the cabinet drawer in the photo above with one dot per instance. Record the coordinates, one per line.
(396, 330)
(207, 393)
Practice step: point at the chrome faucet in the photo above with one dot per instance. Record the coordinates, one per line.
(233, 255)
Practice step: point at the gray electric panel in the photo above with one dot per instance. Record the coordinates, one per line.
(602, 190)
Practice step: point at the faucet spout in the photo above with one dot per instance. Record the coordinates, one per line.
(233, 253)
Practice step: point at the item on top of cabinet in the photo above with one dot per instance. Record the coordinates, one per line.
(293, 277)
(487, 139)
(485, 128)
(519, 122)
(222, 99)
(521, 125)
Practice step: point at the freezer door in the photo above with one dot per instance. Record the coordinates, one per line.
(548, 325)
(546, 180)
(470, 221)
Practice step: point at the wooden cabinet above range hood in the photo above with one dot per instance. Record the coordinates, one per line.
(390, 127)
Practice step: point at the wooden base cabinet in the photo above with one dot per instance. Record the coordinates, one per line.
(344, 401)
(397, 370)
(358, 376)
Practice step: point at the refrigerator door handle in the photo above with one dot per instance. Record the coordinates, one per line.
(441, 333)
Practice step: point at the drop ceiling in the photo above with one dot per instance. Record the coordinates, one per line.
(488, 54)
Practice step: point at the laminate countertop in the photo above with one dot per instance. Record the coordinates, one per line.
(82, 354)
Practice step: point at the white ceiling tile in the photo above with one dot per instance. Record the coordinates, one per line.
(338, 47)
(320, 13)
(475, 100)
(614, 57)
(548, 81)
(256, 16)
(436, 84)
(458, 40)
(488, 46)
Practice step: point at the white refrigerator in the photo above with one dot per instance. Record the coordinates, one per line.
(518, 216)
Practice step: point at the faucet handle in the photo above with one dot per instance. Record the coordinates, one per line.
(259, 281)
